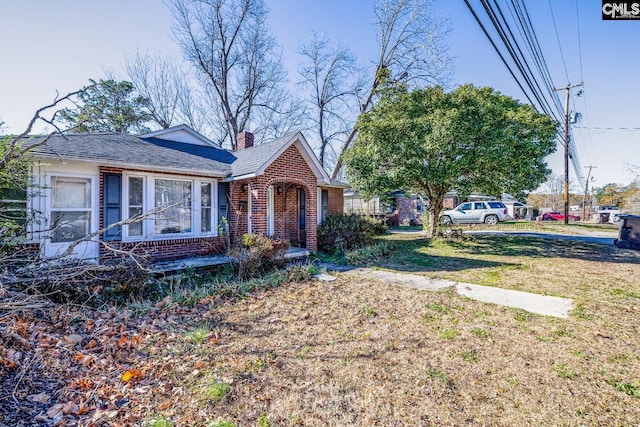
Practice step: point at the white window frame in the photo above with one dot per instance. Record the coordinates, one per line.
(148, 224)
(197, 211)
(125, 206)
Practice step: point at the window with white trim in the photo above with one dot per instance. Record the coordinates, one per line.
(135, 188)
(183, 206)
(70, 208)
(206, 207)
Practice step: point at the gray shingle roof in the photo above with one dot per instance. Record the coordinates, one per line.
(155, 153)
(250, 160)
(123, 149)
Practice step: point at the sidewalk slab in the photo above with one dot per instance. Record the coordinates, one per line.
(534, 303)
(405, 279)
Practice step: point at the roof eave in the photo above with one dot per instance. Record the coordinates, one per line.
(124, 165)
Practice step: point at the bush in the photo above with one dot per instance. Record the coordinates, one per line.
(256, 253)
(368, 254)
(341, 233)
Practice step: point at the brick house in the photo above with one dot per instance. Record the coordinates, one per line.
(181, 186)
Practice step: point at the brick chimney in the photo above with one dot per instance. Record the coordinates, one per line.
(244, 140)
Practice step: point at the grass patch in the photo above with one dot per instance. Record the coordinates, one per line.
(304, 352)
(368, 254)
(564, 371)
(215, 389)
(159, 421)
(448, 333)
(625, 387)
(421, 353)
(198, 335)
(479, 332)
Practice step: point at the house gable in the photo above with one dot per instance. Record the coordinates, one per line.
(256, 160)
(182, 133)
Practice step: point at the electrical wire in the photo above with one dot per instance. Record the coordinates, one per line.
(555, 27)
(530, 70)
(504, 61)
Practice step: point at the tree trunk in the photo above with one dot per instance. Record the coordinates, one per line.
(434, 214)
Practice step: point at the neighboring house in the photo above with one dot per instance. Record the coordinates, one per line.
(517, 210)
(86, 182)
(398, 209)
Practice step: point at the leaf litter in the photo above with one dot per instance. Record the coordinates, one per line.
(354, 351)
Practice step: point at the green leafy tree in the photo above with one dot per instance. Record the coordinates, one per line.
(429, 142)
(107, 106)
(623, 196)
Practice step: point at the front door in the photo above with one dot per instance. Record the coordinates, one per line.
(302, 217)
(71, 216)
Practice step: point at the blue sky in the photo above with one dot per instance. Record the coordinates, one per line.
(57, 46)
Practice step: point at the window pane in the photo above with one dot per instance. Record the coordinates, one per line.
(135, 229)
(175, 198)
(70, 226)
(206, 220)
(70, 192)
(135, 191)
(205, 207)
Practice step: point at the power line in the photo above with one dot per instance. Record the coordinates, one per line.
(517, 56)
(504, 61)
(579, 40)
(606, 128)
(526, 63)
(555, 27)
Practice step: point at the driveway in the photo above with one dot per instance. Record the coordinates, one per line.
(600, 237)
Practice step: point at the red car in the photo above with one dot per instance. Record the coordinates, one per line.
(557, 216)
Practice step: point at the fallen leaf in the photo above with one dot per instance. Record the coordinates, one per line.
(72, 339)
(132, 374)
(122, 341)
(91, 344)
(40, 398)
(55, 411)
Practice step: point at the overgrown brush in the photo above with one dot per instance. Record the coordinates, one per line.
(83, 283)
(258, 254)
(341, 233)
(368, 254)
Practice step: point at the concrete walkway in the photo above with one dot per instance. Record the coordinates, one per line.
(534, 303)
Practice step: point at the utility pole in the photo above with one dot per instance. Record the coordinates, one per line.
(586, 193)
(566, 148)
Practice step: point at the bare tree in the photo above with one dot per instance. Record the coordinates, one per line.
(331, 76)
(172, 94)
(411, 51)
(229, 43)
(159, 81)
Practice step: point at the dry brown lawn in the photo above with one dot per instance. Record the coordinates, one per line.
(358, 352)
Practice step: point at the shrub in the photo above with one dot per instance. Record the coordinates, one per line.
(256, 253)
(341, 233)
(368, 254)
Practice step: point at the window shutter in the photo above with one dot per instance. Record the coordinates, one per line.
(112, 205)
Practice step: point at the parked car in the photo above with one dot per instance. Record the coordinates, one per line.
(491, 212)
(557, 216)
